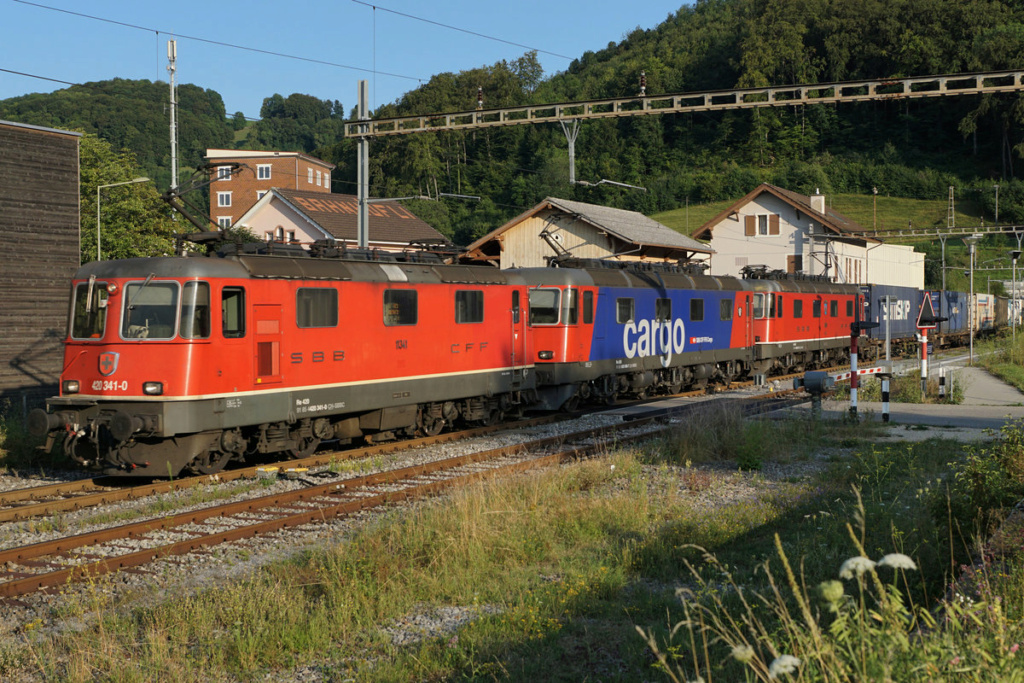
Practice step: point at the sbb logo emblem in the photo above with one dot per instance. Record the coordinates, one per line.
(654, 338)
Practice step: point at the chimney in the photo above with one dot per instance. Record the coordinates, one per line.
(818, 201)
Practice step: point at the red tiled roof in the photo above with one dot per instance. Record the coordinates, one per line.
(336, 213)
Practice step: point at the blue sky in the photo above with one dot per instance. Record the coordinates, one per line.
(369, 39)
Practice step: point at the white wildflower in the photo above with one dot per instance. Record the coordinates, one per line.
(782, 665)
(897, 561)
(855, 566)
(742, 653)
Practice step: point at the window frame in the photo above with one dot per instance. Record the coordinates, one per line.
(264, 171)
(697, 309)
(631, 302)
(557, 308)
(224, 199)
(239, 332)
(193, 308)
(399, 317)
(310, 312)
(127, 297)
(474, 308)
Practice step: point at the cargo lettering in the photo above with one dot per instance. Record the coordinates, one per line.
(654, 338)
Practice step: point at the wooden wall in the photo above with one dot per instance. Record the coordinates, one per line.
(39, 226)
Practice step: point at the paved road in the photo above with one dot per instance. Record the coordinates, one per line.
(988, 404)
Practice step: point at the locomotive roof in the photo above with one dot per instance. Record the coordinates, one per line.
(288, 268)
(627, 278)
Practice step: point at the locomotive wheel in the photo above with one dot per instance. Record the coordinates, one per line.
(432, 427)
(210, 462)
(304, 449)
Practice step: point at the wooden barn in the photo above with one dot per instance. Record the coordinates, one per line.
(560, 227)
(39, 221)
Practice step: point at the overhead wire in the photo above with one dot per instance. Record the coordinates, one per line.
(218, 42)
(460, 30)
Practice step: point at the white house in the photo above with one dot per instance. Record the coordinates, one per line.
(794, 233)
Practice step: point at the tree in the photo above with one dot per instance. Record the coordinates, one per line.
(134, 221)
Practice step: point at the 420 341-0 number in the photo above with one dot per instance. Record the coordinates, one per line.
(110, 385)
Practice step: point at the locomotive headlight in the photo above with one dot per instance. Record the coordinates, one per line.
(70, 386)
(545, 355)
(153, 388)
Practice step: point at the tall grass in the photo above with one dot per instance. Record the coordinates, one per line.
(557, 568)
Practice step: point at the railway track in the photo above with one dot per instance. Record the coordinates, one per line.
(51, 564)
(48, 499)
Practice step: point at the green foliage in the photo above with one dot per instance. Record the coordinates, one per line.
(132, 115)
(134, 221)
(985, 482)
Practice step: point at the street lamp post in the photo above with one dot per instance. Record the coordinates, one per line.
(971, 242)
(98, 188)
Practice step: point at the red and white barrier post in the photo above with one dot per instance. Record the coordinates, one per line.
(854, 377)
(924, 362)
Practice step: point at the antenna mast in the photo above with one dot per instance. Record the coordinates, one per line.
(172, 58)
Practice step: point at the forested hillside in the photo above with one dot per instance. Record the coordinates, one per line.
(903, 148)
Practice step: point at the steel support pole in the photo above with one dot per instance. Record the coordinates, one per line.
(363, 169)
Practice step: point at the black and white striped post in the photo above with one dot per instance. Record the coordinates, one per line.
(856, 327)
(942, 384)
(885, 376)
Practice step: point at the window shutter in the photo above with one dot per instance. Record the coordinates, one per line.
(773, 224)
(749, 225)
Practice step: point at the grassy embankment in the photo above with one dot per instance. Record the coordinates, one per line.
(558, 569)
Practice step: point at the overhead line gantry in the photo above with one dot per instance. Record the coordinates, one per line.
(712, 100)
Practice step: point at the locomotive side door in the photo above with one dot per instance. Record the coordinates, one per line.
(268, 334)
(518, 347)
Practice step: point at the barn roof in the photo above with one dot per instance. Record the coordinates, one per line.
(336, 214)
(631, 227)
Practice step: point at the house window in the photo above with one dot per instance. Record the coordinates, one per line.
(223, 173)
(279, 234)
(224, 221)
(327, 178)
(318, 178)
(762, 224)
(309, 175)
(260, 193)
(263, 171)
(223, 199)
(291, 236)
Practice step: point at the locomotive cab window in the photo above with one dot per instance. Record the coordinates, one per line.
(588, 307)
(759, 305)
(624, 310)
(232, 312)
(515, 307)
(469, 306)
(798, 308)
(816, 308)
(544, 306)
(849, 309)
(195, 311)
(570, 307)
(834, 309)
(316, 307)
(400, 307)
(150, 310)
(90, 311)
